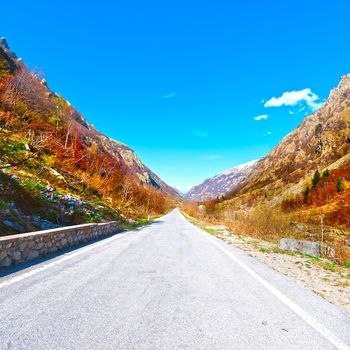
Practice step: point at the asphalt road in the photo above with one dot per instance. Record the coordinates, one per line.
(165, 286)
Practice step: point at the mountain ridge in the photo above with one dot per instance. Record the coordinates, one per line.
(120, 149)
(301, 188)
(221, 184)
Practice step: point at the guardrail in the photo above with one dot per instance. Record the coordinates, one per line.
(15, 249)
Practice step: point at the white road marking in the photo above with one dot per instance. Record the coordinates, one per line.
(58, 261)
(311, 321)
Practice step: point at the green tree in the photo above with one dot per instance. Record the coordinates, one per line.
(340, 187)
(306, 194)
(326, 173)
(316, 178)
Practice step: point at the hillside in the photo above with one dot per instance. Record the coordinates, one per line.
(220, 185)
(56, 168)
(302, 187)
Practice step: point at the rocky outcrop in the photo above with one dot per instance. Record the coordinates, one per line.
(306, 247)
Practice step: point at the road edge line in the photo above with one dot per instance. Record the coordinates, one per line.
(66, 257)
(306, 317)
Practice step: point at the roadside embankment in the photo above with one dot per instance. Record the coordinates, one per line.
(324, 277)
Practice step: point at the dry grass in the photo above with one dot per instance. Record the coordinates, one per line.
(271, 224)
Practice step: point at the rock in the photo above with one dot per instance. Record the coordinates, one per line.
(17, 255)
(16, 227)
(3, 254)
(32, 255)
(306, 247)
(6, 262)
(47, 225)
(4, 43)
(39, 246)
(56, 174)
(22, 246)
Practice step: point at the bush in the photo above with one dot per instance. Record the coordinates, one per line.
(265, 222)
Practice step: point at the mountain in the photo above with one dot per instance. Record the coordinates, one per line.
(221, 184)
(55, 167)
(117, 149)
(301, 188)
(320, 142)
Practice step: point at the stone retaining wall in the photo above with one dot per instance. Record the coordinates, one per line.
(27, 246)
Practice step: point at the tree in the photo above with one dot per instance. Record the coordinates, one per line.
(306, 195)
(316, 178)
(326, 173)
(340, 187)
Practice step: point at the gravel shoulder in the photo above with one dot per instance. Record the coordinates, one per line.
(323, 277)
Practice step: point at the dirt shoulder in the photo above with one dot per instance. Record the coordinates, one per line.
(323, 277)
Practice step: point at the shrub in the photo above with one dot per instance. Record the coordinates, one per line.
(265, 222)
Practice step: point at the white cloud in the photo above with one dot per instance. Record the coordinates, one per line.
(291, 112)
(269, 133)
(212, 157)
(292, 98)
(261, 117)
(200, 133)
(171, 95)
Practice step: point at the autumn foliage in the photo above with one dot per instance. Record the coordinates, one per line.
(56, 137)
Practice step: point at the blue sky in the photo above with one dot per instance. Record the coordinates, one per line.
(187, 84)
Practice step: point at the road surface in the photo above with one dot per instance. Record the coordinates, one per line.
(166, 286)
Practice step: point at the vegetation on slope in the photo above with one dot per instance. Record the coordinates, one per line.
(55, 168)
(301, 188)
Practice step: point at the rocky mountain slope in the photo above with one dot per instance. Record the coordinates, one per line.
(117, 149)
(323, 138)
(221, 184)
(320, 142)
(56, 168)
(302, 187)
